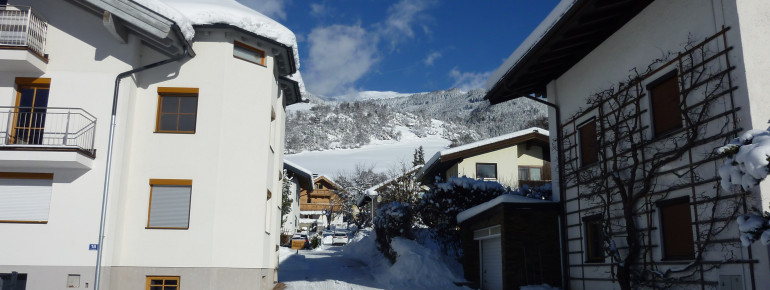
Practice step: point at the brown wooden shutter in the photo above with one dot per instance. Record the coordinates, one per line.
(676, 224)
(589, 150)
(666, 110)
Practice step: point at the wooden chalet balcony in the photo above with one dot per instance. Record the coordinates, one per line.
(22, 39)
(317, 206)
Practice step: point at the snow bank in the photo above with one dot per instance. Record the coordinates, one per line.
(417, 267)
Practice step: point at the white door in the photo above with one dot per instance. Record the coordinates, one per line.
(491, 263)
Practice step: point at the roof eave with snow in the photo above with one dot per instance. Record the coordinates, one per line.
(154, 29)
(571, 31)
(305, 176)
(522, 202)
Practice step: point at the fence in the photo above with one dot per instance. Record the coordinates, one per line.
(47, 127)
(22, 27)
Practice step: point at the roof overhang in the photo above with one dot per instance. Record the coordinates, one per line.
(284, 55)
(291, 93)
(580, 30)
(304, 177)
(121, 16)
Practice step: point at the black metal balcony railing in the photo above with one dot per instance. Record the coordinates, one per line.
(22, 27)
(47, 127)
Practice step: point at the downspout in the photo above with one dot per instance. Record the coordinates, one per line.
(109, 154)
(562, 194)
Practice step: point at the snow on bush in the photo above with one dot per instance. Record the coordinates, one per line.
(747, 162)
(393, 220)
(418, 266)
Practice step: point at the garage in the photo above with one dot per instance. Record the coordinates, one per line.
(511, 241)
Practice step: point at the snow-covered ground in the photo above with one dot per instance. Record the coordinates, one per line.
(359, 265)
(384, 156)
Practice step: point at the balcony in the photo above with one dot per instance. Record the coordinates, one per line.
(22, 40)
(46, 137)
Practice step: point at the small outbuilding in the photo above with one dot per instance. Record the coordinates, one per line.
(511, 241)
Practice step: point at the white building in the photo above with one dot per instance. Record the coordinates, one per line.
(629, 84)
(194, 186)
(299, 179)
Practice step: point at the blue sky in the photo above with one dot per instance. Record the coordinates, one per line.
(406, 46)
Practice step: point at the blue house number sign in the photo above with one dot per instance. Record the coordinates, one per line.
(93, 247)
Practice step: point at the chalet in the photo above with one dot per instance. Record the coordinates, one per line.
(321, 206)
(141, 144)
(511, 159)
(640, 94)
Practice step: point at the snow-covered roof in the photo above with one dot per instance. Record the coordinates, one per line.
(372, 191)
(505, 198)
(437, 157)
(297, 168)
(187, 13)
(530, 41)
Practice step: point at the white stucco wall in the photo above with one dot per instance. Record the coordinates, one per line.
(507, 159)
(662, 27)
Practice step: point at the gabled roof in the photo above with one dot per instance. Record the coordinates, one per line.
(304, 176)
(442, 160)
(572, 30)
(375, 190)
(327, 180)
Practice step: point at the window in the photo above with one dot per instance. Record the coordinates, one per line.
(529, 173)
(13, 281)
(594, 235)
(31, 106)
(25, 197)
(664, 99)
(676, 229)
(486, 170)
(162, 283)
(248, 53)
(169, 204)
(589, 147)
(177, 110)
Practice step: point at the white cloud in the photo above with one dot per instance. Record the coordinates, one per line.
(468, 80)
(431, 58)
(401, 17)
(270, 8)
(318, 10)
(339, 55)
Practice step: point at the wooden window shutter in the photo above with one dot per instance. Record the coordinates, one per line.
(666, 110)
(676, 224)
(589, 146)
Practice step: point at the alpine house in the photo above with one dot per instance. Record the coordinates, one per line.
(641, 94)
(141, 144)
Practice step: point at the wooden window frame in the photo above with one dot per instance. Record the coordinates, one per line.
(660, 117)
(149, 279)
(583, 149)
(261, 53)
(27, 83)
(176, 92)
(674, 233)
(169, 182)
(590, 253)
(482, 163)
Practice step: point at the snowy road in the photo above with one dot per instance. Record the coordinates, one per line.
(323, 268)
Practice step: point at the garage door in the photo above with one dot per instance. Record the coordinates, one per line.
(491, 263)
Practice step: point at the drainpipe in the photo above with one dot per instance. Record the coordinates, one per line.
(109, 154)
